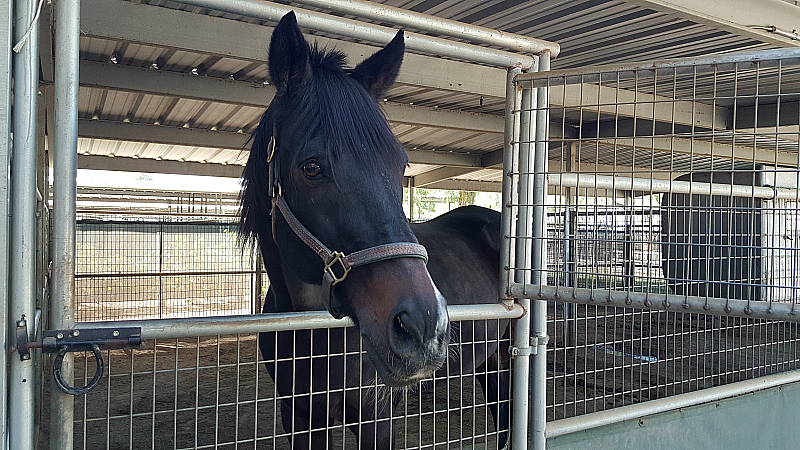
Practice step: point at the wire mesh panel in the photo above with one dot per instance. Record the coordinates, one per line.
(226, 392)
(672, 195)
(135, 269)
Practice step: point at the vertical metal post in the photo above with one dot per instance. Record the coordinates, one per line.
(6, 15)
(522, 261)
(629, 264)
(65, 164)
(570, 247)
(539, 272)
(509, 162)
(411, 198)
(161, 268)
(22, 235)
(258, 282)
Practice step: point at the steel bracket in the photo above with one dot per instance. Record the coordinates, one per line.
(521, 351)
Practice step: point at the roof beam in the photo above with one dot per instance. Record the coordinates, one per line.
(94, 162)
(172, 84)
(735, 16)
(442, 173)
(164, 27)
(696, 147)
(628, 103)
(467, 185)
(159, 134)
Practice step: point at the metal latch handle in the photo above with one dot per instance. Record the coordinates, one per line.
(63, 341)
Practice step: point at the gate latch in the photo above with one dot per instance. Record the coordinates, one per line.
(63, 341)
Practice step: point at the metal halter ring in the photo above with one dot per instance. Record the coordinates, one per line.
(337, 257)
(98, 374)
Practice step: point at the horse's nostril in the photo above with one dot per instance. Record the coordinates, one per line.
(405, 336)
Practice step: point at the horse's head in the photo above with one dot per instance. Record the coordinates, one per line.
(327, 166)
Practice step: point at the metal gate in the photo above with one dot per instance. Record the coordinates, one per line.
(199, 382)
(663, 257)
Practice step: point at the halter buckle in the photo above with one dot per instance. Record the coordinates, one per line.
(337, 257)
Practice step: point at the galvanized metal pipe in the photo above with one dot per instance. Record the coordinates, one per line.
(672, 67)
(6, 36)
(22, 235)
(656, 186)
(788, 311)
(439, 25)
(671, 403)
(521, 349)
(510, 148)
(65, 164)
(539, 266)
(214, 326)
(367, 32)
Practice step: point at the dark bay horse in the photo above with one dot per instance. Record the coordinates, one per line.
(322, 198)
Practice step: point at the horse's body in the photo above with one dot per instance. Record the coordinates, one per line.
(339, 175)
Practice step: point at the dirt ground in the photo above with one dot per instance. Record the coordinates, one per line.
(192, 393)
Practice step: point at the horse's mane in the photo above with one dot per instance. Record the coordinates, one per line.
(336, 105)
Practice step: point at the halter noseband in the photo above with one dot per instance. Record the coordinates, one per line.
(332, 260)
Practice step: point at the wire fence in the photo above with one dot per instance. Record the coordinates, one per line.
(672, 192)
(164, 268)
(217, 392)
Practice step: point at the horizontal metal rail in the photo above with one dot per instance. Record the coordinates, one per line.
(656, 186)
(254, 323)
(688, 65)
(372, 33)
(164, 274)
(438, 25)
(176, 212)
(769, 310)
(650, 407)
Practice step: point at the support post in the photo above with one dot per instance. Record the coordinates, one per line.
(513, 97)
(65, 164)
(521, 349)
(539, 272)
(6, 35)
(22, 258)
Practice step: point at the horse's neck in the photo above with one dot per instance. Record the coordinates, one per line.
(281, 299)
(289, 292)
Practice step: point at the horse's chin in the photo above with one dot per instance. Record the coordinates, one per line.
(403, 372)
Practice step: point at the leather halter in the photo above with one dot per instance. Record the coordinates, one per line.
(333, 260)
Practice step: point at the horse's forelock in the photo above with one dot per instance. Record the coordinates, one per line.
(337, 106)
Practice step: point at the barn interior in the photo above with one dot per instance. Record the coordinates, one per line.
(176, 88)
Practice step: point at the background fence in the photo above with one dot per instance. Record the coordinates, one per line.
(169, 267)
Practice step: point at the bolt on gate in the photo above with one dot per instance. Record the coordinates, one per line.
(657, 234)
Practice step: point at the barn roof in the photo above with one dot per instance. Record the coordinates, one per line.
(168, 87)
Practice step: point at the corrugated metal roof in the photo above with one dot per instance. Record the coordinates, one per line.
(590, 32)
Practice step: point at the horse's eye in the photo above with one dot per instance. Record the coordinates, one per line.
(312, 169)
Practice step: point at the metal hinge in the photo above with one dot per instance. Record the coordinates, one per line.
(63, 341)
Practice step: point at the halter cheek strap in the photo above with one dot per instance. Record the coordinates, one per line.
(336, 264)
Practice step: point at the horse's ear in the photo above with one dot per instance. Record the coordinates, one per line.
(289, 66)
(378, 72)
